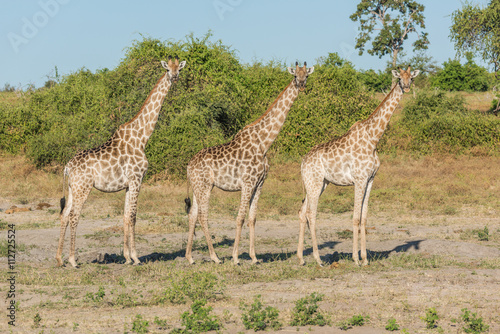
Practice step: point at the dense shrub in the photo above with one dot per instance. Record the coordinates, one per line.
(435, 122)
(457, 77)
(378, 81)
(333, 101)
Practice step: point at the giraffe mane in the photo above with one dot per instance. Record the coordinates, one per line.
(381, 103)
(270, 107)
(146, 101)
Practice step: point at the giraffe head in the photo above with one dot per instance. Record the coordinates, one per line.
(300, 74)
(405, 78)
(173, 68)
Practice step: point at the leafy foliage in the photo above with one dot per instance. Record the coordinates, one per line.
(394, 20)
(139, 325)
(192, 286)
(306, 311)
(356, 320)
(392, 325)
(477, 30)
(473, 324)
(255, 317)
(199, 321)
(430, 318)
(457, 77)
(436, 122)
(334, 100)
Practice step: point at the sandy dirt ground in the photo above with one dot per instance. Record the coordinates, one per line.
(462, 272)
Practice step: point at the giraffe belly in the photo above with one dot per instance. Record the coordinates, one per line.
(341, 177)
(110, 185)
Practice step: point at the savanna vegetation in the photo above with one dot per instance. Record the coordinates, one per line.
(217, 95)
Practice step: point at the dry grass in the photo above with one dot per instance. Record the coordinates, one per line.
(407, 193)
(474, 100)
(436, 185)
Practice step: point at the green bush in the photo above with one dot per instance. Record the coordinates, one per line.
(199, 321)
(435, 122)
(258, 318)
(306, 311)
(473, 324)
(333, 101)
(457, 77)
(186, 286)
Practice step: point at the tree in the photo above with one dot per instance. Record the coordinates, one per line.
(477, 30)
(395, 20)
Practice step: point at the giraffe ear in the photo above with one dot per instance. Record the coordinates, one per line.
(165, 65)
(415, 73)
(182, 64)
(291, 70)
(395, 74)
(310, 70)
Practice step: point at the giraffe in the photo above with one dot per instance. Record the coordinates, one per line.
(239, 165)
(345, 161)
(120, 163)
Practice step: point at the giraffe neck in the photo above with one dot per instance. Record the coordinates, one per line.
(145, 120)
(378, 120)
(268, 126)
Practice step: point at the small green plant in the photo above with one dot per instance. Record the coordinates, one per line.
(306, 311)
(199, 321)
(96, 297)
(75, 326)
(392, 325)
(484, 234)
(356, 320)
(162, 323)
(139, 325)
(257, 318)
(473, 324)
(430, 318)
(36, 320)
(193, 286)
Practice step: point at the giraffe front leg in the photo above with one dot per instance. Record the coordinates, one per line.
(246, 193)
(252, 217)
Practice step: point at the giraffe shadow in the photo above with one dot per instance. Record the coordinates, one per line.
(372, 255)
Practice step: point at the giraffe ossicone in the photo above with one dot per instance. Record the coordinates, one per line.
(239, 165)
(350, 160)
(118, 164)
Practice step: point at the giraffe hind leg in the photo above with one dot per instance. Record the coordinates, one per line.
(80, 195)
(64, 216)
(193, 217)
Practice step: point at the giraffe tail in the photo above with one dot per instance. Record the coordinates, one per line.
(63, 199)
(187, 200)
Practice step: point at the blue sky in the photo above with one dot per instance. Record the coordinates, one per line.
(36, 36)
